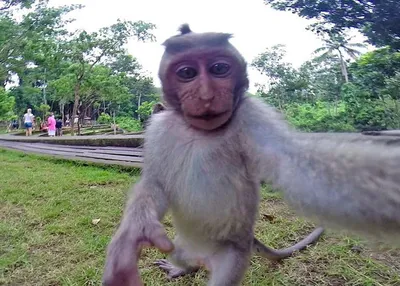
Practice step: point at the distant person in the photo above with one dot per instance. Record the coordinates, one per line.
(51, 125)
(58, 127)
(28, 122)
(15, 124)
(43, 126)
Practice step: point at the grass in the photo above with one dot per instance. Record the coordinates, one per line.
(47, 236)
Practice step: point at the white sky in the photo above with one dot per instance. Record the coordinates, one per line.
(255, 26)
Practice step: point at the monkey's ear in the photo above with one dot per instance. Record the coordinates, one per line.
(184, 29)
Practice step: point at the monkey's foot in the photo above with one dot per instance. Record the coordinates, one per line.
(172, 270)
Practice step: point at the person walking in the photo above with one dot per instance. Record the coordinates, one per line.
(51, 125)
(28, 122)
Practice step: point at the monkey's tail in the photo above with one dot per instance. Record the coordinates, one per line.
(278, 254)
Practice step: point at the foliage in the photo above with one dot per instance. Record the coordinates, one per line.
(44, 110)
(146, 109)
(80, 73)
(319, 117)
(316, 97)
(8, 4)
(86, 50)
(104, 118)
(285, 84)
(129, 124)
(337, 45)
(7, 103)
(378, 20)
(370, 113)
(30, 40)
(374, 69)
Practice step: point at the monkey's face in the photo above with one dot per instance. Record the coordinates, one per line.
(203, 84)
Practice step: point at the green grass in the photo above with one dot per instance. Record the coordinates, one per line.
(47, 236)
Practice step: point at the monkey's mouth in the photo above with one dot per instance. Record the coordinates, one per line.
(209, 115)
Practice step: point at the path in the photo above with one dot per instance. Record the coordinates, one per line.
(125, 150)
(123, 156)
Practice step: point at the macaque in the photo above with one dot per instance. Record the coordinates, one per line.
(158, 107)
(204, 159)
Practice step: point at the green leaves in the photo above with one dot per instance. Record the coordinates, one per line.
(7, 103)
(92, 70)
(378, 20)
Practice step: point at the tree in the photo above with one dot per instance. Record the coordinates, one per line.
(89, 49)
(338, 45)
(285, 84)
(7, 4)
(7, 103)
(373, 69)
(29, 40)
(378, 20)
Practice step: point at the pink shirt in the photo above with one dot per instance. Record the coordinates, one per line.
(51, 123)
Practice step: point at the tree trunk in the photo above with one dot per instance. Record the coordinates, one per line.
(139, 102)
(115, 127)
(76, 106)
(344, 68)
(62, 107)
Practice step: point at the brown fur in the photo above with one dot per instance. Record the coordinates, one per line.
(158, 107)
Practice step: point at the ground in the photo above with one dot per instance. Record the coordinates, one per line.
(50, 233)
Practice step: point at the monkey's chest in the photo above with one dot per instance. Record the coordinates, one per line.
(211, 189)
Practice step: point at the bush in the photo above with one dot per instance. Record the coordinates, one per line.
(319, 117)
(129, 124)
(104, 118)
(368, 112)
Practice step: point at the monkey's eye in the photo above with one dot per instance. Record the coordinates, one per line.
(186, 73)
(219, 69)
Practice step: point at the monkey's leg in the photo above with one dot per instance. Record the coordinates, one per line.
(228, 266)
(180, 262)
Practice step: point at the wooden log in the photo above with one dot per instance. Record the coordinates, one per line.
(100, 159)
(382, 132)
(95, 140)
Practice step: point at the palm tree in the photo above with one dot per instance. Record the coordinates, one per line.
(338, 45)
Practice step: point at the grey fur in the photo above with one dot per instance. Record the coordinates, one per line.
(185, 29)
(210, 180)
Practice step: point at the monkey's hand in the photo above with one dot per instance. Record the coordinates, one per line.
(124, 250)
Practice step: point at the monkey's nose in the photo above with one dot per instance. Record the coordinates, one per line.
(207, 96)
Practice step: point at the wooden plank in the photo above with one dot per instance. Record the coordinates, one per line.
(110, 162)
(135, 141)
(382, 132)
(112, 157)
(71, 153)
(116, 152)
(49, 147)
(68, 156)
(67, 148)
(41, 151)
(89, 148)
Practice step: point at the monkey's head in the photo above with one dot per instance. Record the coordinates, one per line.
(203, 76)
(158, 107)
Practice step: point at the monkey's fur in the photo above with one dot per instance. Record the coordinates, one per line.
(206, 154)
(158, 107)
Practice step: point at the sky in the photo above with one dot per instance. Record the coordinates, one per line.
(254, 25)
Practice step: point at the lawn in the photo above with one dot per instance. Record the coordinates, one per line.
(48, 236)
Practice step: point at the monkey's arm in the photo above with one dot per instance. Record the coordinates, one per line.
(353, 185)
(140, 227)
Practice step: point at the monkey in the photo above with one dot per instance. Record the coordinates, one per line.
(206, 155)
(158, 107)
